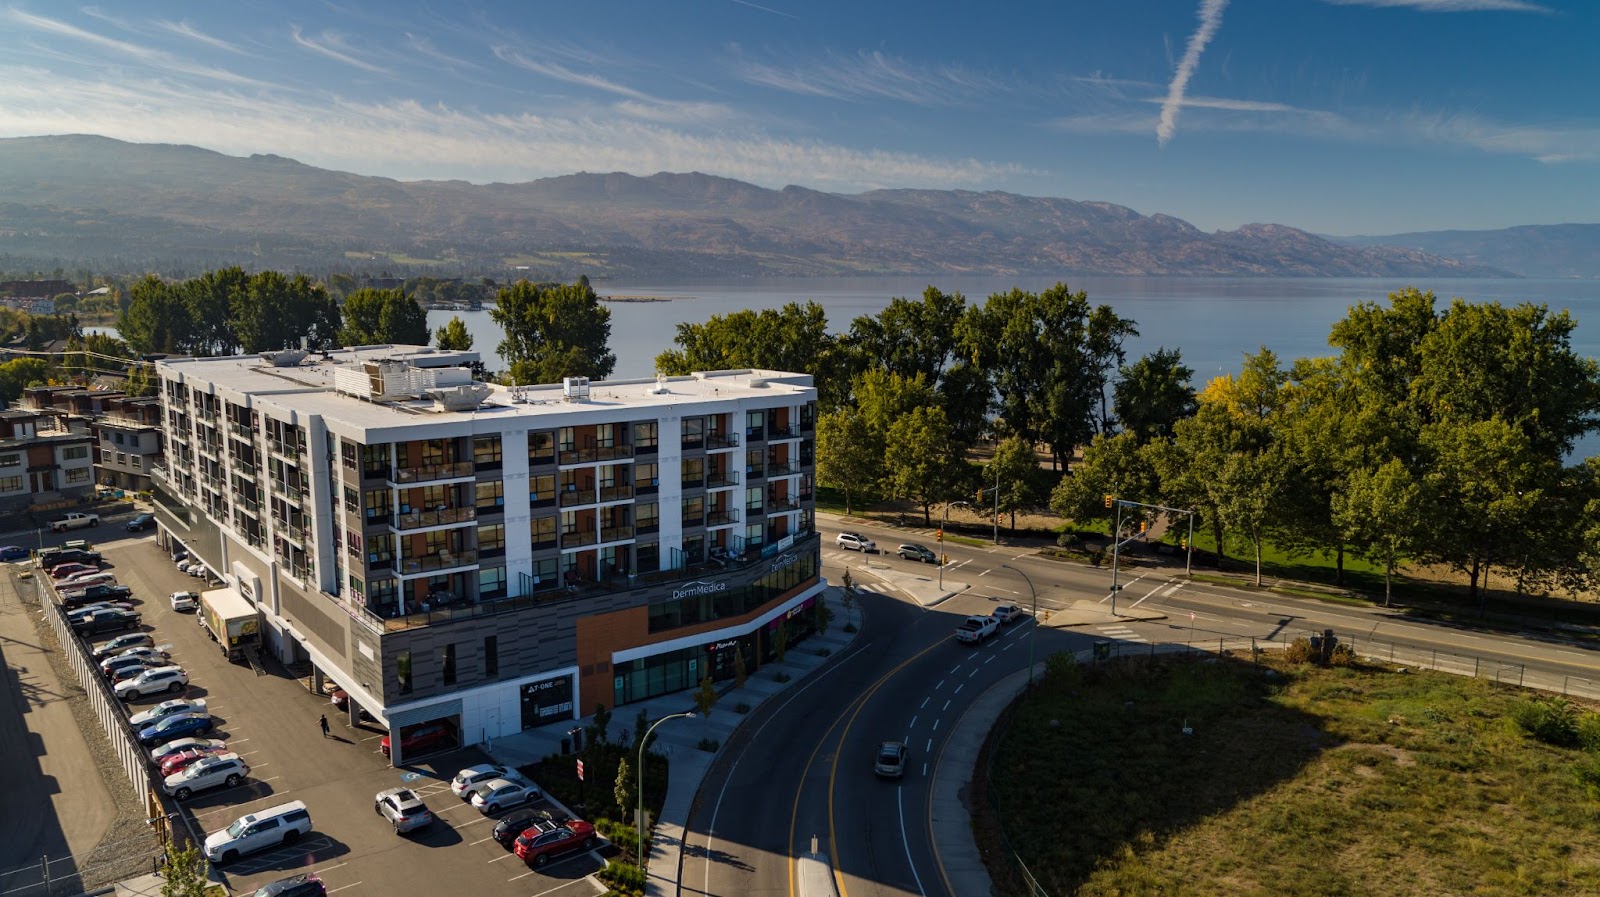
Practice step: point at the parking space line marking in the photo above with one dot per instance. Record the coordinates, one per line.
(959, 687)
(913, 724)
(508, 856)
(924, 703)
(481, 840)
(342, 887)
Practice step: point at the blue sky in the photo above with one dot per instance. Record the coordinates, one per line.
(1339, 116)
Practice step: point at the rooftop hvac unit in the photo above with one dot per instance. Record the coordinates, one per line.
(465, 397)
(285, 358)
(575, 389)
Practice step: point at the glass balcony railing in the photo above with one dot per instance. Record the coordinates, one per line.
(616, 493)
(775, 433)
(577, 497)
(719, 479)
(616, 533)
(444, 560)
(722, 518)
(428, 473)
(722, 440)
(579, 538)
(423, 519)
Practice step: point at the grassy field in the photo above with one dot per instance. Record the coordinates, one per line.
(1297, 780)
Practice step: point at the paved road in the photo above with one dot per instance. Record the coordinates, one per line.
(271, 720)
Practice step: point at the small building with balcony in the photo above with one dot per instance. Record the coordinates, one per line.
(497, 557)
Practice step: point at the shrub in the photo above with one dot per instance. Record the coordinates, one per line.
(1097, 557)
(741, 707)
(1550, 720)
(709, 745)
(1069, 540)
(1589, 732)
(824, 652)
(849, 627)
(780, 677)
(1299, 651)
(1341, 656)
(1061, 668)
(622, 876)
(1587, 770)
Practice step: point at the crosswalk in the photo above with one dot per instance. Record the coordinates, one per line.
(1123, 634)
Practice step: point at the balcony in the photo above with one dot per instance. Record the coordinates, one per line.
(247, 504)
(616, 493)
(573, 497)
(407, 476)
(783, 469)
(616, 533)
(781, 505)
(807, 425)
(716, 441)
(722, 518)
(295, 534)
(444, 560)
(243, 431)
(578, 538)
(755, 434)
(376, 472)
(591, 454)
(244, 469)
(776, 433)
(292, 493)
(425, 519)
(721, 479)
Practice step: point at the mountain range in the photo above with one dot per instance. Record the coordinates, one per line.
(83, 199)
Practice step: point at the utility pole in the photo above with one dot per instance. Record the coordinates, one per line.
(1116, 546)
(997, 504)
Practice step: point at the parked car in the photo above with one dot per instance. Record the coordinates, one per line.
(112, 667)
(98, 592)
(855, 542)
(122, 643)
(210, 771)
(141, 523)
(306, 885)
(78, 613)
(165, 709)
(149, 651)
(468, 780)
(281, 825)
(427, 737)
(73, 521)
(545, 840)
(198, 570)
(50, 557)
(106, 621)
(13, 553)
(209, 745)
(182, 601)
(133, 684)
(68, 569)
(87, 578)
(497, 794)
(911, 551)
(182, 725)
(404, 810)
(1008, 613)
(339, 698)
(181, 558)
(513, 824)
(891, 760)
(183, 760)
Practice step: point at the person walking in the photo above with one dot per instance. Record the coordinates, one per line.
(324, 723)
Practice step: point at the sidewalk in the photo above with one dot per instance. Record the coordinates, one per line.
(679, 740)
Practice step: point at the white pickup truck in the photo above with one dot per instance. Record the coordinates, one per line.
(975, 629)
(73, 521)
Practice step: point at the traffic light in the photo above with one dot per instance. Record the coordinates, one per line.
(1144, 525)
(1108, 499)
(980, 497)
(1184, 544)
(938, 534)
(944, 559)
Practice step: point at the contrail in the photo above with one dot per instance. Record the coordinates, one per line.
(1210, 21)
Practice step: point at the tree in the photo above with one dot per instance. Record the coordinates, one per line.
(185, 872)
(276, 312)
(210, 300)
(553, 332)
(453, 336)
(739, 671)
(626, 790)
(911, 337)
(824, 614)
(602, 723)
(157, 319)
(780, 640)
(1381, 513)
(1153, 394)
(377, 317)
(1015, 467)
(140, 381)
(705, 697)
(792, 338)
(919, 462)
(1250, 484)
(1115, 466)
(848, 458)
(19, 374)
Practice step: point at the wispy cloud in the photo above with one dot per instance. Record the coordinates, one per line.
(674, 112)
(1450, 5)
(1210, 21)
(333, 46)
(776, 12)
(870, 76)
(184, 29)
(560, 72)
(410, 139)
(139, 52)
(424, 46)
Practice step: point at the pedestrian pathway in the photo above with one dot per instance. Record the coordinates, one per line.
(1122, 633)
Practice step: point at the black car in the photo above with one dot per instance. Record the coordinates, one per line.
(60, 556)
(97, 592)
(306, 885)
(506, 830)
(106, 621)
(141, 523)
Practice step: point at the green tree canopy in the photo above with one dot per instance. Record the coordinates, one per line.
(849, 458)
(378, 317)
(554, 331)
(1015, 467)
(1153, 394)
(453, 336)
(157, 319)
(919, 463)
(277, 312)
(19, 374)
(911, 337)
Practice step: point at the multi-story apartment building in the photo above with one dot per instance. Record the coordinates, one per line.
(43, 464)
(126, 429)
(496, 557)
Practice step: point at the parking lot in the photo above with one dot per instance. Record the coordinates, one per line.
(271, 720)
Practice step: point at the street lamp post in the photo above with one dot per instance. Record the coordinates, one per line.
(643, 742)
(943, 522)
(1035, 631)
(1116, 545)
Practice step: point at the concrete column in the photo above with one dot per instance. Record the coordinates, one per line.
(355, 711)
(316, 680)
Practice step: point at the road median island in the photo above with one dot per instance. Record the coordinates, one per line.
(1189, 774)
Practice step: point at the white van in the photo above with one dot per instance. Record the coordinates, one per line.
(283, 824)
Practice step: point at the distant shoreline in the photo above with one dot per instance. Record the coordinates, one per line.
(635, 298)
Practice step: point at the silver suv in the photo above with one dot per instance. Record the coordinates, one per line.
(856, 542)
(215, 771)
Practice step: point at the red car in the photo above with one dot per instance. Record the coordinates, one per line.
(547, 839)
(426, 737)
(180, 761)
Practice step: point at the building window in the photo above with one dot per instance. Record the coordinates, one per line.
(75, 453)
(605, 435)
(694, 511)
(694, 471)
(542, 490)
(352, 500)
(646, 477)
(753, 424)
(694, 432)
(78, 475)
(402, 668)
(447, 662)
(347, 452)
(647, 516)
(491, 655)
(138, 462)
(10, 484)
(117, 438)
(752, 499)
(492, 539)
(569, 522)
(645, 436)
(568, 439)
(648, 558)
(544, 531)
(541, 447)
(491, 496)
(356, 585)
(486, 451)
(10, 460)
(491, 583)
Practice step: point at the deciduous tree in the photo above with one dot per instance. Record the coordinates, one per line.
(849, 459)
(453, 336)
(554, 331)
(1015, 467)
(918, 463)
(1153, 394)
(376, 317)
(1381, 513)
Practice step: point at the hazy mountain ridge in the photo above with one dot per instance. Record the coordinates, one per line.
(86, 196)
(1532, 250)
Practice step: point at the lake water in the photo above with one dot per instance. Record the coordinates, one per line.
(1214, 321)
